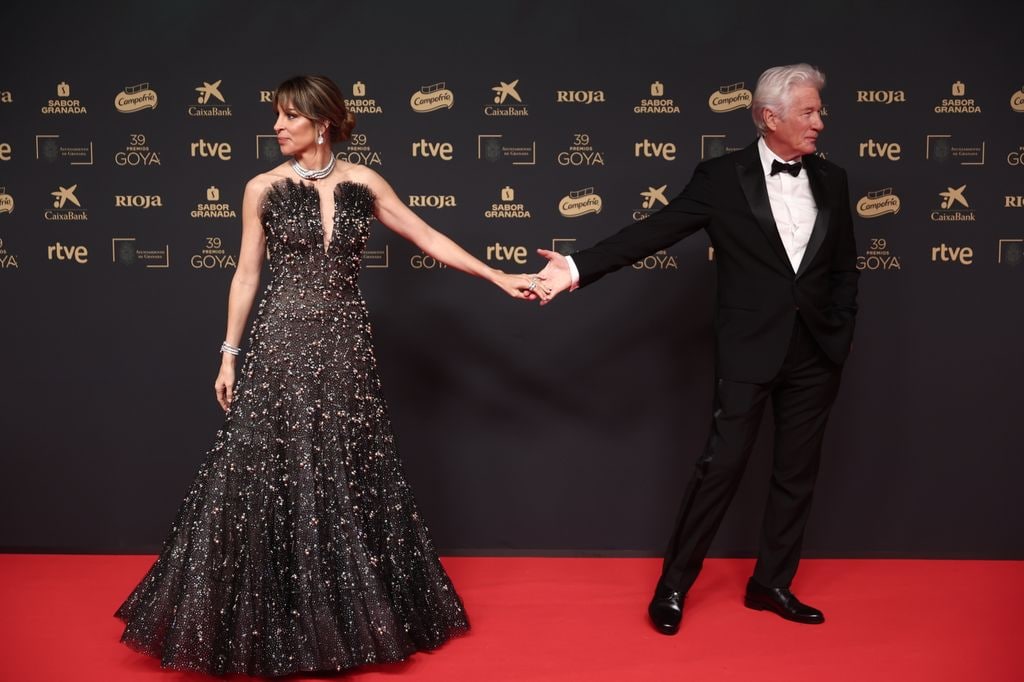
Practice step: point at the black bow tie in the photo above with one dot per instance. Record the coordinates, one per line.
(791, 168)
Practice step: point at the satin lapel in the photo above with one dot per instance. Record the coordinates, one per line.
(816, 177)
(751, 176)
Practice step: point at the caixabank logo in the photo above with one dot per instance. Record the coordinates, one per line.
(66, 205)
(506, 102)
(432, 97)
(657, 102)
(730, 98)
(361, 104)
(953, 207)
(209, 102)
(878, 203)
(580, 202)
(652, 200)
(135, 98)
(63, 104)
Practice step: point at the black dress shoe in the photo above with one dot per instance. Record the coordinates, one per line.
(781, 601)
(666, 609)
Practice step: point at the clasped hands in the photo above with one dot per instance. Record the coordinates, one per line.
(546, 284)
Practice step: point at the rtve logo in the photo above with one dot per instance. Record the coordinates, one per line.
(655, 150)
(880, 150)
(499, 252)
(964, 255)
(204, 149)
(58, 251)
(425, 148)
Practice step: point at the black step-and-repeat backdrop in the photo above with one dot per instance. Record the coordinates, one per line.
(128, 131)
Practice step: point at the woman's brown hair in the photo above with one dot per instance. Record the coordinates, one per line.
(318, 99)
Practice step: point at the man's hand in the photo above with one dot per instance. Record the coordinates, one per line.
(555, 275)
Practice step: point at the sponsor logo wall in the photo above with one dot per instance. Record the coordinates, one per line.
(121, 196)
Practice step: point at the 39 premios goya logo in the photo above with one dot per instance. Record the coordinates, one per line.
(878, 203)
(209, 102)
(135, 98)
(507, 207)
(66, 205)
(730, 98)
(657, 103)
(361, 104)
(580, 153)
(507, 101)
(137, 153)
(432, 98)
(878, 256)
(8, 260)
(213, 256)
(358, 150)
(63, 104)
(580, 202)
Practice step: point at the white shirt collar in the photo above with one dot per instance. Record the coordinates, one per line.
(767, 156)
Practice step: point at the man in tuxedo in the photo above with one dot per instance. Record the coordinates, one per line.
(779, 220)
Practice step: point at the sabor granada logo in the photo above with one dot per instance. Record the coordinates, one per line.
(579, 203)
(135, 98)
(658, 103)
(958, 103)
(878, 203)
(509, 206)
(431, 98)
(64, 104)
(730, 98)
(213, 207)
(360, 103)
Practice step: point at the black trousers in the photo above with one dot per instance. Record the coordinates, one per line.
(802, 395)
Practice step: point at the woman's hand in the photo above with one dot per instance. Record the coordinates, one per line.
(225, 384)
(525, 287)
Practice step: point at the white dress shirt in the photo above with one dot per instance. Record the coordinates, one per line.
(792, 204)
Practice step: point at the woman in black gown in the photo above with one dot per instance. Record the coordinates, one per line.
(298, 546)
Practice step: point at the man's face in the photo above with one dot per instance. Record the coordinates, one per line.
(796, 134)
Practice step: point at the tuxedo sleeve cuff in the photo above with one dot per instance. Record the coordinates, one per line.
(574, 273)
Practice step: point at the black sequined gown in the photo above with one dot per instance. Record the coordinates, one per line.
(298, 546)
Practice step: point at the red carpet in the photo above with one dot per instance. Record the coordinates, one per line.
(584, 619)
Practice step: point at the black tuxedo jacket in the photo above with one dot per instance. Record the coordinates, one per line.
(759, 294)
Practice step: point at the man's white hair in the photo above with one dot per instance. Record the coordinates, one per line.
(774, 88)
